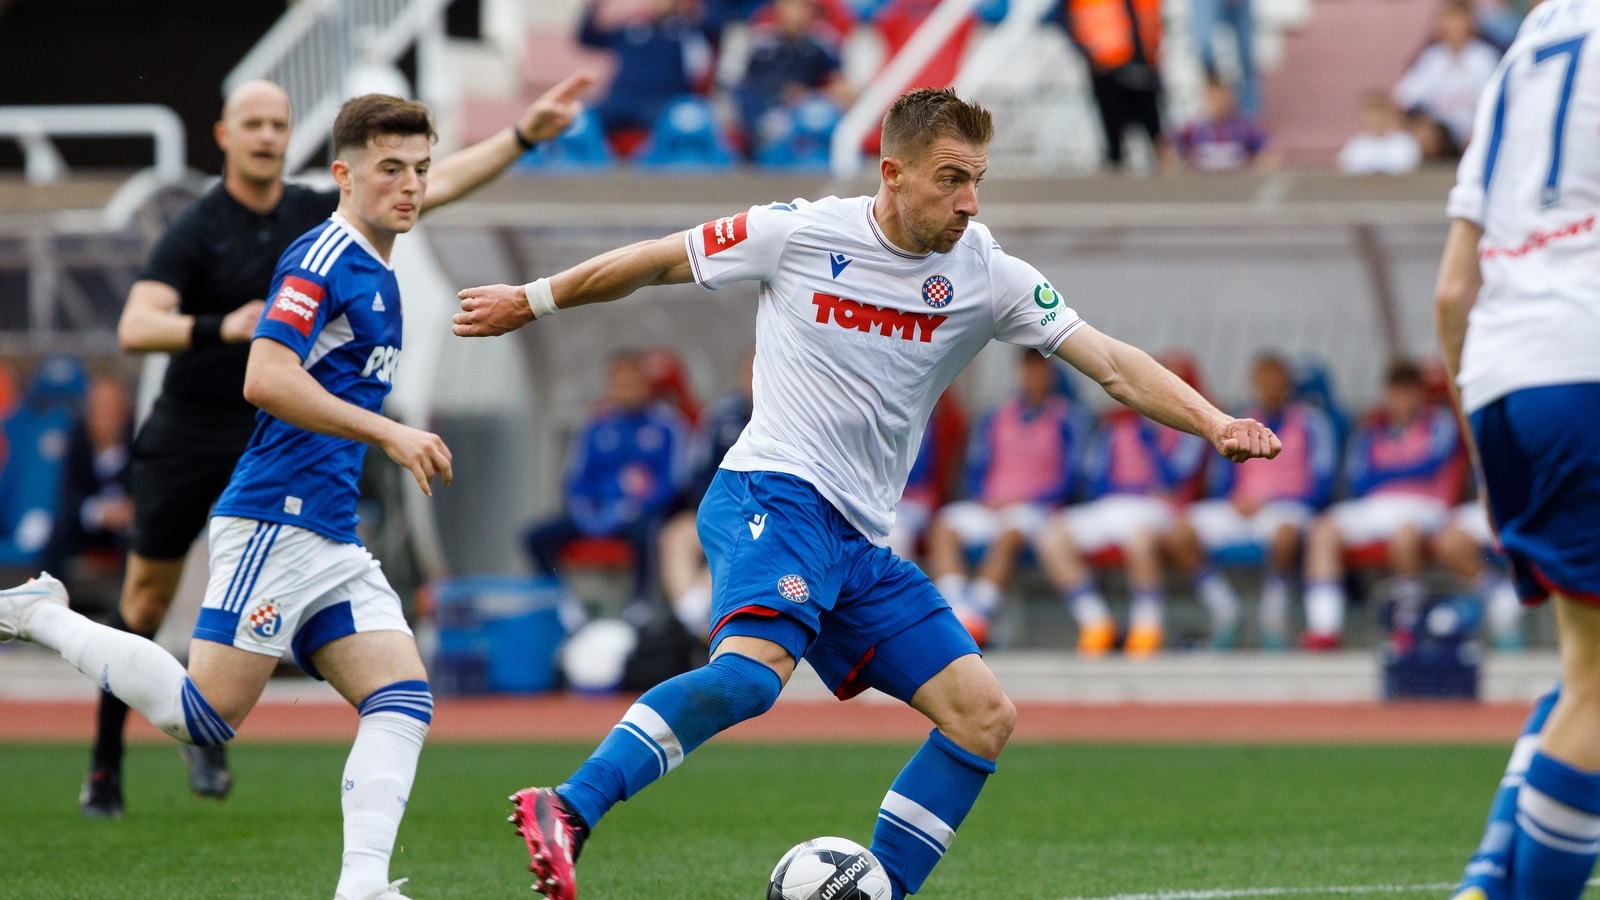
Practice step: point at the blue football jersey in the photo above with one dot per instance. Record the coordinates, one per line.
(336, 303)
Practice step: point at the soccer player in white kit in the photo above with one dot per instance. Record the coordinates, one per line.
(868, 308)
(288, 572)
(1518, 312)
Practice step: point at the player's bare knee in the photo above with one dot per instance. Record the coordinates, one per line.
(986, 726)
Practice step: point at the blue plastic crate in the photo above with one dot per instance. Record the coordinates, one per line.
(498, 634)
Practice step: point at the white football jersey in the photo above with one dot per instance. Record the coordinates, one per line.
(856, 339)
(1531, 180)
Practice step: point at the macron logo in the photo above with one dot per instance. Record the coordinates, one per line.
(757, 525)
(838, 261)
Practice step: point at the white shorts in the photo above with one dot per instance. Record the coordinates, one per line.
(977, 525)
(277, 587)
(910, 520)
(1111, 521)
(1473, 518)
(1219, 523)
(1368, 520)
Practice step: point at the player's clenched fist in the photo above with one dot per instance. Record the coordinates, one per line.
(422, 452)
(1242, 439)
(490, 310)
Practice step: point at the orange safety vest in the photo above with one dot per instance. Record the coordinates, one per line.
(1105, 30)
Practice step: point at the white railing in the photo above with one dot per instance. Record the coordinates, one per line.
(845, 151)
(34, 126)
(320, 47)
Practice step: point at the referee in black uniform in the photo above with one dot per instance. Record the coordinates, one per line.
(198, 299)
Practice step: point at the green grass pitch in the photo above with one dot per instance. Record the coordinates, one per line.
(1057, 822)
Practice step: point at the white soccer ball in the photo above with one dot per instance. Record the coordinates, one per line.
(829, 868)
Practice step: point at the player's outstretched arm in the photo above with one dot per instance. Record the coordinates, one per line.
(151, 323)
(467, 169)
(495, 309)
(276, 381)
(1137, 381)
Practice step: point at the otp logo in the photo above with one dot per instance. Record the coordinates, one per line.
(296, 304)
(864, 317)
(720, 234)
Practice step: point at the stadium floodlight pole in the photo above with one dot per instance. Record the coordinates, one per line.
(844, 153)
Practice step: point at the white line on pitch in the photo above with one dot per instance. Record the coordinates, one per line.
(1230, 893)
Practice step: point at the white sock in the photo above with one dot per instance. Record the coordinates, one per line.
(1408, 597)
(984, 595)
(376, 787)
(1502, 606)
(1324, 608)
(1145, 609)
(693, 609)
(136, 669)
(954, 589)
(1274, 609)
(1087, 606)
(1219, 599)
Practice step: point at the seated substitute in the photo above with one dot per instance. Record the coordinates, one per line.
(1136, 472)
(1262, 506)
(622, 476)
(1020, 465)
(1402, 486)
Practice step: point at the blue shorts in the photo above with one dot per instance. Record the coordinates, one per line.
(1540, 449)
(787, 567)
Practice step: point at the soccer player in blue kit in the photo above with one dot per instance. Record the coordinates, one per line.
(1518, 312)
(288, 572)
(868, 308)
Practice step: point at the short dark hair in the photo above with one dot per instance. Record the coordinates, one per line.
(925, 115)
(369, 115)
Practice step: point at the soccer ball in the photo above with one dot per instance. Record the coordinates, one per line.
(829, 868)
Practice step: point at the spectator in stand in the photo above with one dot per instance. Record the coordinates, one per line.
(621, 478)
(1208, 14)
(1440, 91)
(1263, 505)
(96, 509)
(1121, 40)
(664, 50)
(1020, 466)
(1403, 483)
(1136, 471)
(684, 574)
(1383, 146)
(1224, 139)
(791, 59)
(1461, 548)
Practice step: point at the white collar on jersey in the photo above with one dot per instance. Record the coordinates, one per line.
(888, 245)
(360, 239)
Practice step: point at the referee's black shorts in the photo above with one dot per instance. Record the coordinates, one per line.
(182, 460)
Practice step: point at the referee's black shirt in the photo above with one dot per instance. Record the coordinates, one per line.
(219, 255)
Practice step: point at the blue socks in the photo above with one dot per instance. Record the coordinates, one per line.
(1489, 867)
(1558, 830)
(923, 809)
(670, 720)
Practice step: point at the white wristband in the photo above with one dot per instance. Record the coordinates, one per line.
(540, 298)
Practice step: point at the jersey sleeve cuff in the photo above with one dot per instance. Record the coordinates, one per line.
(1466, 202)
